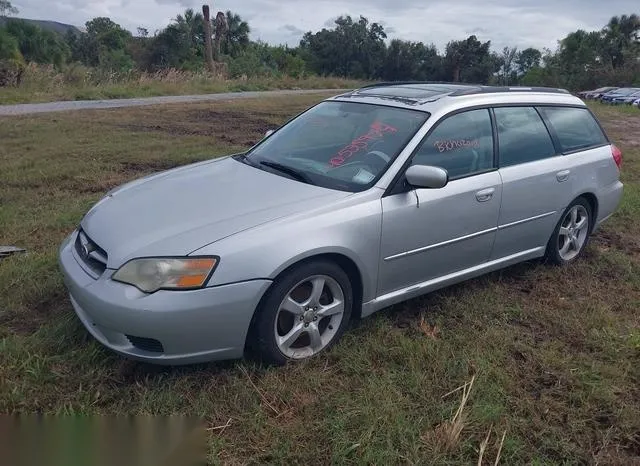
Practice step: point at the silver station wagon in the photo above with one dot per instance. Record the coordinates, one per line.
(367, 199)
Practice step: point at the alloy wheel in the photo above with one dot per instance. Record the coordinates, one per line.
(309, 316)
(573, 232)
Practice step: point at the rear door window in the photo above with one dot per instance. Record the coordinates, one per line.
(575, 128)
(522, 136)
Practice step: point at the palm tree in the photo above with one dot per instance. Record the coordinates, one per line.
(237, 38)
(621, 36)
(181, 44)
(191, 27)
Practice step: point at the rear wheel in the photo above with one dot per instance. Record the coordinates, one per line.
(571, 234)
(305, 312)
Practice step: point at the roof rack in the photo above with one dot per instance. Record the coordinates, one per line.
(508, 89)
(407, 83)
(470, 89)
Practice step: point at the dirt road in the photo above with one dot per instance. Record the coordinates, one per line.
(24, 109)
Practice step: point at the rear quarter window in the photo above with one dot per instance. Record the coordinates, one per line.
(575, 128)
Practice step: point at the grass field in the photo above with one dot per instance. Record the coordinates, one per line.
(553, 353)
(42, 84)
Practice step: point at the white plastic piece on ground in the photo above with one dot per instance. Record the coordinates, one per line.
(6, 251)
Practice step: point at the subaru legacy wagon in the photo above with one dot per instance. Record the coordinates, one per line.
(369, 198)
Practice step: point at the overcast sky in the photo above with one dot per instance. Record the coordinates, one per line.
(523, 23)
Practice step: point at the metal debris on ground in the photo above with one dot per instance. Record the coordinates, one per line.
(6, 251)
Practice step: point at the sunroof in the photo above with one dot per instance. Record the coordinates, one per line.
(416, 92)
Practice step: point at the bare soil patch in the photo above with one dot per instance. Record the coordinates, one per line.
(235, 128)
(608, 239)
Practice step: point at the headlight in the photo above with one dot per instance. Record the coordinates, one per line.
(153, 274)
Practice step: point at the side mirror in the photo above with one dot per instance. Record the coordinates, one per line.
(269, 133)
(425, 176)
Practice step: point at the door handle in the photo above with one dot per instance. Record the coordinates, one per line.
(485, 194)
(563, 175)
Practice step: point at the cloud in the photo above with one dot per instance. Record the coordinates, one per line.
(292, 30)
(390, 30)
(182, 3)
(478, 31)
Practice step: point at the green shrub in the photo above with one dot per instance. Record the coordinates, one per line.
(9, 49)
(248, 64)
(37, 44)
(116, 60)
(11, 60)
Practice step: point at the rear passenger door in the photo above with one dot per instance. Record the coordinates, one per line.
(535, 181)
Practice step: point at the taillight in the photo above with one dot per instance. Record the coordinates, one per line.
(617, 155)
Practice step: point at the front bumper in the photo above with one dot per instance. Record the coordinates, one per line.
(190, 326)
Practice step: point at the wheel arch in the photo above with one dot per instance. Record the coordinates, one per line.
(593, 203)
(346, 263)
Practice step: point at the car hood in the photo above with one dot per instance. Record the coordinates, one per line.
(174, 213)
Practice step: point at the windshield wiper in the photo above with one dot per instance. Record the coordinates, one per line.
(297, 174)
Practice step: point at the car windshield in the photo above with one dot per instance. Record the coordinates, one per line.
(338, 145)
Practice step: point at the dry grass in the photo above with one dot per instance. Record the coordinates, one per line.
(483, 446)
(446, 436)
(554, 352)
(42, 83)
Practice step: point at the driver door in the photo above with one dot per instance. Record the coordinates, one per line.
(431, 233)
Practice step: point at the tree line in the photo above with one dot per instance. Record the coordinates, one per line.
(352, 48)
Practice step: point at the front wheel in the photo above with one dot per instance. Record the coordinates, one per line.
(571, 234)
(305, 312)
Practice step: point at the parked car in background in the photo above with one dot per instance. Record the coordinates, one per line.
(628, 100)
(596, 93)
(622, 92)
(367, 199)
(636, 103)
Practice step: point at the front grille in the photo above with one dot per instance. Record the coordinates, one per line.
(92, 255)
(146, 344)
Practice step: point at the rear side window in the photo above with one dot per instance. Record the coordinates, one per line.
(522, 136)
(575, 128)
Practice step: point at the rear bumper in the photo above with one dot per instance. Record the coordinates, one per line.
(608, 201)
(191, 326)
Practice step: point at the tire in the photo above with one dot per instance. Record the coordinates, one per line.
(313, 316)
(558, 251)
